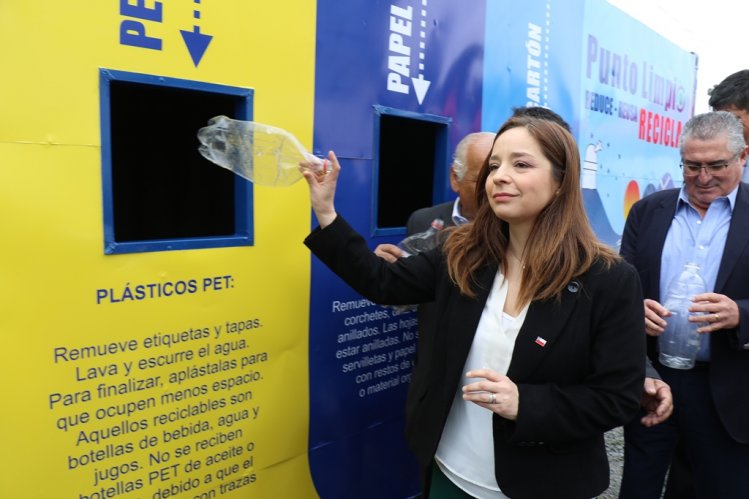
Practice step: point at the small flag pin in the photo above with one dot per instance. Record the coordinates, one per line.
(540, 341)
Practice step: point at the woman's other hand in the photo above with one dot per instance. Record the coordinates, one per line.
(494, 391)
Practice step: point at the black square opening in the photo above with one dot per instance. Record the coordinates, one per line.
(158, 192)
(410, 151)
(162, 188)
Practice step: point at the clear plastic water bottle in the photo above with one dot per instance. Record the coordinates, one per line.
(680, 341)
(263, 154)
(416, 243)
(422, 241)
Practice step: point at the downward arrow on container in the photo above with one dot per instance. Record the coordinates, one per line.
(196, 43)
(420, 87)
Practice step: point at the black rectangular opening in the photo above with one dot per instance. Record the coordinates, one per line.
(162, 186)
(411, 154)
(157, 186)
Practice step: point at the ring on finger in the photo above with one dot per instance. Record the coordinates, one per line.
(494, 398)
(716, 317)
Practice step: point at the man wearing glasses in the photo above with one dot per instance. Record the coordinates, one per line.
(706, 221)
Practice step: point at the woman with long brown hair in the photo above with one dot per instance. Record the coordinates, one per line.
(538, 349)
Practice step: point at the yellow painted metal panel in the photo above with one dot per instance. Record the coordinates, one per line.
(63, 435)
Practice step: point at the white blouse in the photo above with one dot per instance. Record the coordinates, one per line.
(466, 450)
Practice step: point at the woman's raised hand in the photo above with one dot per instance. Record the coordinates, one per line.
(322, 183)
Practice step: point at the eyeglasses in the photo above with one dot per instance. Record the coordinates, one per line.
(715, 169)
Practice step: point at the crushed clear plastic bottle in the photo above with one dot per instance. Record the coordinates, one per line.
(263, 154)
(422, 241)
(680, 341)
(416, 243)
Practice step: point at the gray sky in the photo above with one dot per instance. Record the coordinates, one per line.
(716, 30)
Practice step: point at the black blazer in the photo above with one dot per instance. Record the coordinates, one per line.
(587, 379)
(642, 243)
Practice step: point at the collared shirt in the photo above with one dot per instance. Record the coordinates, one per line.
(693, 239)
(458, 218)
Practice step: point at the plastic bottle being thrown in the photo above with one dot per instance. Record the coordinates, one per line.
(680, 341)
(263, 154)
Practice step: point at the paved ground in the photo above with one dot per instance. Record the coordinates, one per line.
(615, 448)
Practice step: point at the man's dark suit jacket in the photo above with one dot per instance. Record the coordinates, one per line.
(577, 363)
(642, 243)
(421, 219)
